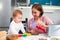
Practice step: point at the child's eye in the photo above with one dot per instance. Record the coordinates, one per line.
(20, 18)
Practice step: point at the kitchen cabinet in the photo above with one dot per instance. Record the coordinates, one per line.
(46, 2)
(55, 2)
(43, 2)
(20, 2)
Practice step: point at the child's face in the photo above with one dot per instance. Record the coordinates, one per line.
(18, 18)
(35, 13)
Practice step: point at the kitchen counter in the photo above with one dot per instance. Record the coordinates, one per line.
(31, 37)
(45, 8)
(34, 37)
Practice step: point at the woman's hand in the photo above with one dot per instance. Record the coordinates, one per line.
(40, 23)
(33, 32)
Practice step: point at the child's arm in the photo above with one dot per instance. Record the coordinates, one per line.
(22, 28)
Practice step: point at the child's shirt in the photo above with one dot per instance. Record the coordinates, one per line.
(15, 27)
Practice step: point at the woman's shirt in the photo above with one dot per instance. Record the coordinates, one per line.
(32, 24)
(15, 27)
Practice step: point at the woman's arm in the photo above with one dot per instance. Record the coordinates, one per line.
(45, 21)
(40, 23)
(28, 26)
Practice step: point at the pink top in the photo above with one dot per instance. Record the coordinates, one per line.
(44, 19)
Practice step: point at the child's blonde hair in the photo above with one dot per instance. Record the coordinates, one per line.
(17, 12)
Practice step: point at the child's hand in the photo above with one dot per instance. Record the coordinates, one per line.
(28, 34)
(25, 33)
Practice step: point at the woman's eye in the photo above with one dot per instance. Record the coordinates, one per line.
(34, 12)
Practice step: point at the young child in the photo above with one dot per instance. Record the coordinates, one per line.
(16, 23)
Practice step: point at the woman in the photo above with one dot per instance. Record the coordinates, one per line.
(38, 20)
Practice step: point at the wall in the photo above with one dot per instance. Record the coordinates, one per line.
(5, 14)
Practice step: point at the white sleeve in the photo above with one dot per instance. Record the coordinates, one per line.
(12, 30)
(22, 28)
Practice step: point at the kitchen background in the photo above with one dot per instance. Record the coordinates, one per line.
(51, 9)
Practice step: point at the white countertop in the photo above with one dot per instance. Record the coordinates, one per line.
(45, 8)
(34, 37)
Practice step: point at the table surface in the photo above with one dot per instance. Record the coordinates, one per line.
(34, 37)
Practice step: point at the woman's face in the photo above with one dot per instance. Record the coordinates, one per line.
(35, 13)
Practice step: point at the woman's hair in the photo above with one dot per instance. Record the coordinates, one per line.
(39, 8)
(17, 12)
